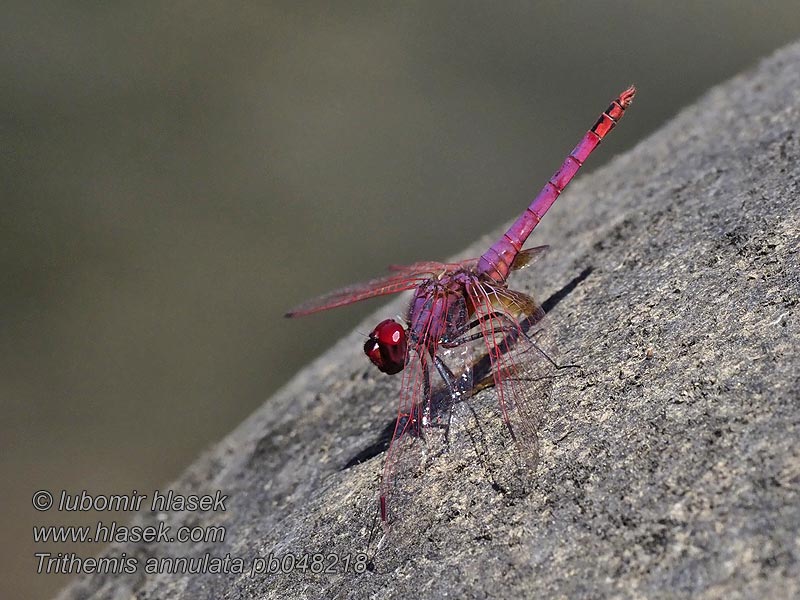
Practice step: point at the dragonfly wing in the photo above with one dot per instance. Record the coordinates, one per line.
(382, 286)
(404, 456)
(434, 380)
(429, 267)
(527, 256)
(515, 362)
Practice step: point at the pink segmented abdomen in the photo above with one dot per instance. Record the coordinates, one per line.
(496, 261)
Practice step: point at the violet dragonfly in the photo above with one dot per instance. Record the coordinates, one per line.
(456, 306)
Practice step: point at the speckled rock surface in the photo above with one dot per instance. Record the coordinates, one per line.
(670, 460)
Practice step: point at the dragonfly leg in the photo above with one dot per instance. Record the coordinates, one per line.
(549, 358)
(511, 329)
(454, 386)
(455, 389)
(422, 408)
(509, 326)
(411, 422)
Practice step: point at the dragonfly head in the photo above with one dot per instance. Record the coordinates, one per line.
(386, 346)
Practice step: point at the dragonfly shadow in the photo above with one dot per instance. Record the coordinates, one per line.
(378, 447)
(481, 370)
(549, 304)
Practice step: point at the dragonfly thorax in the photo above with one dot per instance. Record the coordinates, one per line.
(439, 309)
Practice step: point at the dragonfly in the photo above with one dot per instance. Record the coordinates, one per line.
(457, 307)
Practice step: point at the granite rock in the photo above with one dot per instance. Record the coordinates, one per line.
(669, 459)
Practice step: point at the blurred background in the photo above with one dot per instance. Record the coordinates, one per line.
(177, 175)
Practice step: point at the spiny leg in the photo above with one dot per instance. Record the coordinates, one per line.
(411, 423)
(421, 407)
(455, 390)
(549, 358)
(471, 337)
(511, 329)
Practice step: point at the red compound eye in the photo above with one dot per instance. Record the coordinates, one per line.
(386, 346)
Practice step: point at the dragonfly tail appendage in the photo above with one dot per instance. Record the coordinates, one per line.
(496, 261)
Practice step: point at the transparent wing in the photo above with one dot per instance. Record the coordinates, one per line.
(403, 277)
(527, 256)
(434, 380)
(522, 260)
(516, 361)
(402, 280)
(405, 452)
(430, 267)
